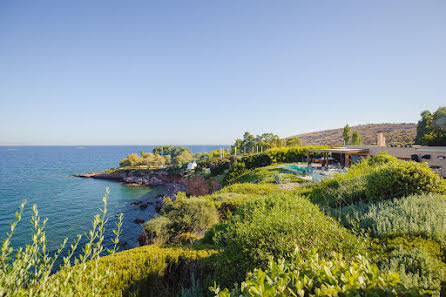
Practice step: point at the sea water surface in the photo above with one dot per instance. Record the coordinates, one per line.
(40, 174)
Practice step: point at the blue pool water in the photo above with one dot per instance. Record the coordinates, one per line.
(300, 169)
(40, 175)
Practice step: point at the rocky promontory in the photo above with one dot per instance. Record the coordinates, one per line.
(195, 185)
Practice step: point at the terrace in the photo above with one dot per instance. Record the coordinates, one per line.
(332, 161)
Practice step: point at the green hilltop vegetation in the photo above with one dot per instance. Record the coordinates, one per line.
(378, 230)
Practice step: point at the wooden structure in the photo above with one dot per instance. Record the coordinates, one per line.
(344, 155)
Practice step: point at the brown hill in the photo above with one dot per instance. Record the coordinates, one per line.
(394, 133)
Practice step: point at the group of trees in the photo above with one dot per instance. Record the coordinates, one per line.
(431, 128)
(179, 155)
(175, 156)
(258, 143)
(355, 137)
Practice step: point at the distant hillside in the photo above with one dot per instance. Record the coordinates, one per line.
(395, 134)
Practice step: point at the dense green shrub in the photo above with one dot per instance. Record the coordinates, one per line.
(155, 271)
(423, 215)
(312, 275)
(272, 226)
(377, 178)
(235, 170)
(416, 268)
(183, 215)
(212, 236)
(217, 165)
(190, 214)
(382, 247)
(341, 190)
(418, 260)
(159, 230)
(228, 203)
(380, 159)
(402, 178)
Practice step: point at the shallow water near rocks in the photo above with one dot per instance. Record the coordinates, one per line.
(40, 175)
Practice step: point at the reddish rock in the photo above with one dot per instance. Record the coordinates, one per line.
(143, 239)
(136, 202)
(139, 221)
(143, 205)
(199, 186)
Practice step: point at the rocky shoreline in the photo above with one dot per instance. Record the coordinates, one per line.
(195, 185)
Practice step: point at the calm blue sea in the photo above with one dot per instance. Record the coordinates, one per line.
(40, 175)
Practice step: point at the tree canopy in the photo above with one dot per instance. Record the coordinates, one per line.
(257, 143)
(346, 134)
(356, 138)
(431, 128)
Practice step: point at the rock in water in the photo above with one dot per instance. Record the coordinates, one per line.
(139, 221)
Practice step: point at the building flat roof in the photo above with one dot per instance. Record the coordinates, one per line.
(343, 150)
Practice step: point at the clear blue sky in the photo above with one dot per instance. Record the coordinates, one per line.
(203, 72)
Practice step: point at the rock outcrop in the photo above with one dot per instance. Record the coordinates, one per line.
(199, 186)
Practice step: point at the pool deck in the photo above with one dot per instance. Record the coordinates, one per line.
(317, 173)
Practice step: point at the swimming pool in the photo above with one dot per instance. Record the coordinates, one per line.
(299, 169)
(317, 175)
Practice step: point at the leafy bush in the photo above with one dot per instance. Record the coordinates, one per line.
(28, 273)
(190, 214)
(272, 226)
(228, 203)
(212, 236)
(312, 275)
(380, 159)
(401, 178)
(155, 271)
(215, 164)
(184, 215)
(341, 190)
(416, 268)
(423, 215)
(377, 178)
(186, 239)
(159, 230)
(237, 168)
(382, 247)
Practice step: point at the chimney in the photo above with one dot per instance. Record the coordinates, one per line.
(381, 140)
